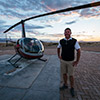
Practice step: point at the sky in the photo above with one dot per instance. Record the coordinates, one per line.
(84, 23)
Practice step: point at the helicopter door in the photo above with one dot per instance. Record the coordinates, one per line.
(32, 45)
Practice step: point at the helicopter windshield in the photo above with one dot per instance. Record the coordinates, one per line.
(32, 45)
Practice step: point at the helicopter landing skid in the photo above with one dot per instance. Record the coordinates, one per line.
(42, 59)
(14, 64)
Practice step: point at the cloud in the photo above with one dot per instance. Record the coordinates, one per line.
(89, 12)
(71, 22)
(15, 10)
(49, 26)
(16, 7)
(31, 27)
(61, 4)
(26, 8)
(28, 28)
(34, 26)
(2, 26)
(2, 22)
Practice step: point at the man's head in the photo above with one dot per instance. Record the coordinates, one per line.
(67, 33)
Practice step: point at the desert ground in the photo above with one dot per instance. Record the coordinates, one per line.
(87, 74)
(51, 48)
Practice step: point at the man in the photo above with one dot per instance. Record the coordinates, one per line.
(66, 56)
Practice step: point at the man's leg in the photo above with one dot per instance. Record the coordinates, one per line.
(72, 85)
(63, 74)
(71, 77)
(64, 85)
(71, 81)
(65, 79)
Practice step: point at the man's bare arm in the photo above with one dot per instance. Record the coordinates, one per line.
(58, 53)
(77, 58)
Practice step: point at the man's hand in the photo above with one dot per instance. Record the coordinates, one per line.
(75, 63)
(59, 57)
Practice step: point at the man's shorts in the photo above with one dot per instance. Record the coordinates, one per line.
(67, 67)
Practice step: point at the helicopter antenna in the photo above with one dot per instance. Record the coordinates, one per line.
(56, 12)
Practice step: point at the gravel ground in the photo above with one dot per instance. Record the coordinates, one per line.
(87, 73)
(49, 50)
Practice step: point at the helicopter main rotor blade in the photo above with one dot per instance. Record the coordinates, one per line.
(67, 9)
(12, 27)
(58, 11)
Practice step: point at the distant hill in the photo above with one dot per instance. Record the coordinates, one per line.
(2, 40)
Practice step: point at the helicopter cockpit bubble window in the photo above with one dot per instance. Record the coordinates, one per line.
(19, 42)
(32, 45)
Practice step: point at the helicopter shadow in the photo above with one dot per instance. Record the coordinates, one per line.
(9, 69)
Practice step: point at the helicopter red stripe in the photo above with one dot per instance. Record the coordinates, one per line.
(28, 56)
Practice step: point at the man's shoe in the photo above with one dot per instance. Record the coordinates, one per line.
(63, 87)
(72, 92)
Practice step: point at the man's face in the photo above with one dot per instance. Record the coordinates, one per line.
(67, 34)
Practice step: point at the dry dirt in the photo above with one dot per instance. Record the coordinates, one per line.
(52, 49)
(89, 63)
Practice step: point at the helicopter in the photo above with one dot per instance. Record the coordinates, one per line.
(32, 48)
